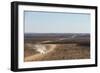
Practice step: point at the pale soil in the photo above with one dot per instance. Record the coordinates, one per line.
(60, 52)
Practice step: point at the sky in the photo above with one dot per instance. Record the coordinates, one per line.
(52, 22)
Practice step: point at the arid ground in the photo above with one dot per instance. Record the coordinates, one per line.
(60, 52)
(46, 47)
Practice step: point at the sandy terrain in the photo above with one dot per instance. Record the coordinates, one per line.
(60, 52)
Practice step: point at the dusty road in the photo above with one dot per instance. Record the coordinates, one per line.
(60, 52)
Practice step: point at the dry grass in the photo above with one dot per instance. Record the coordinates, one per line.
(61, 52)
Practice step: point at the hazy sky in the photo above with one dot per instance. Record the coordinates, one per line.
(51, 22)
